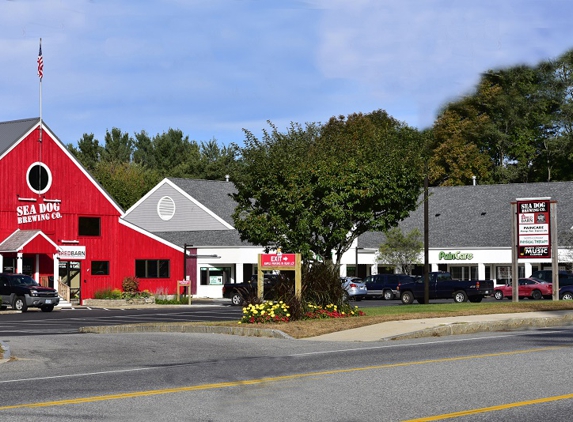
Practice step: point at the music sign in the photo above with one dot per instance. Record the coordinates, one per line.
(533, 236)
(278, 260)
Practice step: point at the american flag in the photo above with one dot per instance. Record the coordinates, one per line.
(40, 62)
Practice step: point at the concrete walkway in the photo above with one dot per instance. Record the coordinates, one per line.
(436, 327)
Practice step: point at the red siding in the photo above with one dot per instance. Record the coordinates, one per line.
(78, 196)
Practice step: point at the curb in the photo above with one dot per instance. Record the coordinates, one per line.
(457, 328)
(183, 328)
(4, 352)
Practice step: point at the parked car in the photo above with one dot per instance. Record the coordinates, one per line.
(22, 292)
(354, 287)
(528, 287)
(240, 293)
(565, 278)
(441, 285)
(566, 292)
(385, 285)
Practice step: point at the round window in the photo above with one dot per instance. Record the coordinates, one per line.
(39, 178)
(166, 208)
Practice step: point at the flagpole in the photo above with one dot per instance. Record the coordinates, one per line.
(40, 74)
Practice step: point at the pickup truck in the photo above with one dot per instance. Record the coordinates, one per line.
(22, 292)
(442, 286)
(239, 293)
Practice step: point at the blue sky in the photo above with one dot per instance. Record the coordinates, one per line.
(214, 67)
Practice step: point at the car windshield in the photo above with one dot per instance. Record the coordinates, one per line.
(23, 280)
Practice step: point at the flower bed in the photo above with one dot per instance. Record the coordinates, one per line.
(271, 312)
(104, 303)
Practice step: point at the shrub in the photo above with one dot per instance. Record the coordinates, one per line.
(130, 285)
(103, 294)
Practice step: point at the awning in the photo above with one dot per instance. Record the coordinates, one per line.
(34, 241)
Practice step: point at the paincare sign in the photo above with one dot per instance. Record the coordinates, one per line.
(533, 235)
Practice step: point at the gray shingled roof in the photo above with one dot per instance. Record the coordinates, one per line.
(205, 238)
(17, 240)
(459, 216)
(11, 131)
(214, 194)
(478, 216)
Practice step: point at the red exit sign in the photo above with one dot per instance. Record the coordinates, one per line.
(276, 260)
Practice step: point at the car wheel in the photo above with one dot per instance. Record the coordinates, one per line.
(388, 295)
(498, 294)
(20, 304)
(536, 295)
(460, 296)
(567, 296)
(407, 298)
(358, 298)
(47, 308)
(236, 299)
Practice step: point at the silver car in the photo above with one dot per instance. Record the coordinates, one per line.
(354, 287)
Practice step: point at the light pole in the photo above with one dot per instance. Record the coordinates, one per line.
(356, 270)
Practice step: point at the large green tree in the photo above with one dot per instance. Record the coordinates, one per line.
(125, 182)
(315, 189)
(511, 119)
(88, 151)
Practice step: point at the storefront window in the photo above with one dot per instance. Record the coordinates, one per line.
(503, 273)
(152, 268)
(215, 275)
(464, 273)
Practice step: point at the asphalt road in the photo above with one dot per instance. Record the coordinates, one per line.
(521, 376)
(68, 321)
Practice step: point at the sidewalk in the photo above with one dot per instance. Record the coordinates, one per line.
(437, 327)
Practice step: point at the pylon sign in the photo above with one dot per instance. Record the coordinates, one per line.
(533, 228)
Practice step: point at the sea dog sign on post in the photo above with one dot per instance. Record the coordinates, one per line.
(534, 234)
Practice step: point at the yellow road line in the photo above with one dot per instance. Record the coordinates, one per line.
(265, 380)
(492, 408)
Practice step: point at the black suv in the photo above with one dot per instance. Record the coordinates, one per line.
(22, 292)
(385, 285)
(565, 278)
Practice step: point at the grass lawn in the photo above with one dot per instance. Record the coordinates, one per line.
(311, 328)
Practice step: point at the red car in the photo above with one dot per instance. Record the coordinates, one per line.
(528, 287)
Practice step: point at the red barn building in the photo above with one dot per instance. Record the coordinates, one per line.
(60, 226)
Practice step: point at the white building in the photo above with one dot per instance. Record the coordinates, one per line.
(469, 230)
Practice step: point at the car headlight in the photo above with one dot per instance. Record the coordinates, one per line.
(33, 293)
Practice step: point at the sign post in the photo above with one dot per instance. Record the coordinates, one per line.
(280, 261)
(186, 284)
(535, 227)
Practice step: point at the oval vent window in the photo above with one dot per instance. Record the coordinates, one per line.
(39, 178)
(166, 208)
